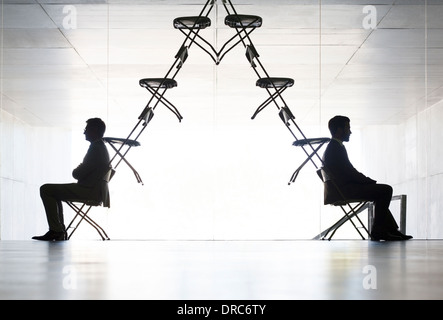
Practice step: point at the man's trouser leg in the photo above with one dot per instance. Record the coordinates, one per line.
(381, 195)
(52, 196)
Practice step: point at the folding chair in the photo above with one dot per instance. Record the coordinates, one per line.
(82, 209)
(313, 152)
(191, 26)
(307, 144)
(244, 25)
(157, 87)
(124, 143)
(350, 207)
(274, 86)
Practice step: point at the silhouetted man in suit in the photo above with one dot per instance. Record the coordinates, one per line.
(90, 184)
(355, 185)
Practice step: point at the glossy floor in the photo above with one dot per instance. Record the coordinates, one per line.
(218, 270)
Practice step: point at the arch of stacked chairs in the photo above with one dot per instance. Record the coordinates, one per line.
(242, 25)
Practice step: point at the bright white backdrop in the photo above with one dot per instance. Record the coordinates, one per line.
(219, 174)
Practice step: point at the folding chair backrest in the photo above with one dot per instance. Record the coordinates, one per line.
(251, 54)
(352, 211)
(109, 174)
(147, 115)
(323, 174)
(286, 115)
(182, 55)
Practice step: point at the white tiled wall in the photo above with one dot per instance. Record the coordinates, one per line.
(29, 157)
(408, 156)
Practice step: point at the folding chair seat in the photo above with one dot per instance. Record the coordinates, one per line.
(243, 21)
(82, 209)
(350, 207)
(194, 22)
(154, 83)
(275, 82)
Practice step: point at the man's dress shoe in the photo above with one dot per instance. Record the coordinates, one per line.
(386, 236)
(402, 235)
(51, 236)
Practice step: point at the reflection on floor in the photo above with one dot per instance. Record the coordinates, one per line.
(219, 270)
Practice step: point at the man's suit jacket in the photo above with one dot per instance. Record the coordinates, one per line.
(90, 173)
(335, 159)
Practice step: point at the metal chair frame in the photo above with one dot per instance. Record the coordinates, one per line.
(311, 154)
(82, 208)
(354, 207)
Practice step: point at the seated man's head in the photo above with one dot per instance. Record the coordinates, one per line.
(95, 129)
(340, 128)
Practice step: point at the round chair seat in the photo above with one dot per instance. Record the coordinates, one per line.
(346, 202)
(243, 21)
(131, 143)
(94, 203)
(164, 83)
(192, 22)
(303, 142)
(275, 82)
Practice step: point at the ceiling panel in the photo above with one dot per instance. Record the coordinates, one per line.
(64, 60)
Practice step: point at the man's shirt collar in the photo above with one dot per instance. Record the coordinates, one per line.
(339, 141)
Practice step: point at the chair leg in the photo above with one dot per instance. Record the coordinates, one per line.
(272, 98)
(122, 158)
(97, 227)
(77, 211)
(309, 158)
(83, 215)
(353, 212)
